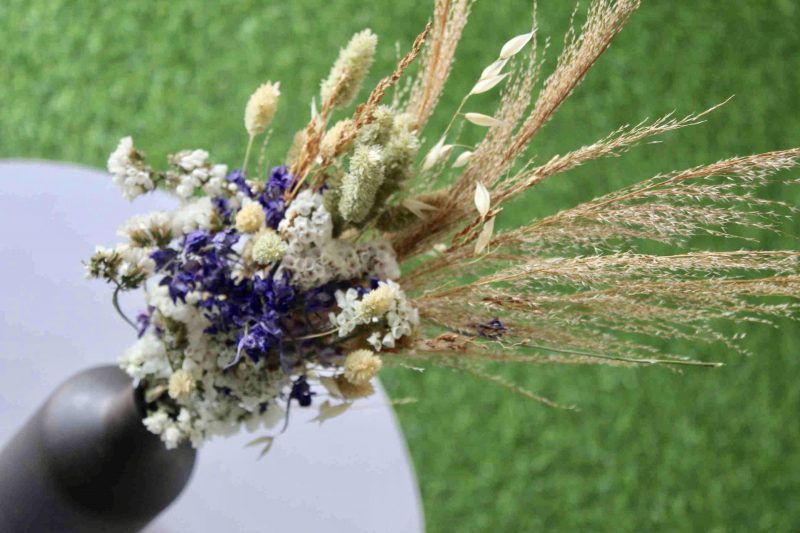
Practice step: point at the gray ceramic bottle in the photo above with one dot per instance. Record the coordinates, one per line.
(84, 462)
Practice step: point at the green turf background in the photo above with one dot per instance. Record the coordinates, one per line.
(649, 450)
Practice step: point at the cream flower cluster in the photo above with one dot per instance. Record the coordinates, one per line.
(193, 171)
(386, 307)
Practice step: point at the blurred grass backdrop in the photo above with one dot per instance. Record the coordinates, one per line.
(650, 449)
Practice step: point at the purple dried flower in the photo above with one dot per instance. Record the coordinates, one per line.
(494, 329)
(237, 176)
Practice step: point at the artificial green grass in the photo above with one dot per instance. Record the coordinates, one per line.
(649, 449)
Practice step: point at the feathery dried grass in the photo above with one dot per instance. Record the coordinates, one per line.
(506, 142)
(449, 19)
(573, 288)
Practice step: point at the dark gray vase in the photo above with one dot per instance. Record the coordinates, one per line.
(84, 462)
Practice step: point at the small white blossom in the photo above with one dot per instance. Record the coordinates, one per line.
(128, 170)
(194, 214)
(194, 171)
(147, 357)
(400, 316)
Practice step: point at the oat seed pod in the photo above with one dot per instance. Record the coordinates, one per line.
(515, 45)
(462, 159)
(439, 151)
(261, 108)
(479, 119)
(482, 199)
(353, 62)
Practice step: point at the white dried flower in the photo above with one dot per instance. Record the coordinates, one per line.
(514, 45)
(361, 366)
(193, 171)
(268, 247)
(128, 170)
(375, 303)
(400, 316)
(136, 262)
(181, 384)
(353, 64)
(190, 160)
(261, 108)
(196, 213)
(146, 358)
(479, 119)
(482, 199)
(150, 229)
(250, 218)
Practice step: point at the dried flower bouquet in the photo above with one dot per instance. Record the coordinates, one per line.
(349, 256)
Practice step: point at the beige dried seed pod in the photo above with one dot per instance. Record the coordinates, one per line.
(333, 136)
(350, 69)
(479, 119)
(515, 44)
(462, 159)
(260, 108)
(482, 199)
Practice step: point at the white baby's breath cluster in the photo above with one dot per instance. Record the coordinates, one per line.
(313, 257)
(192, 171)
(127, 168)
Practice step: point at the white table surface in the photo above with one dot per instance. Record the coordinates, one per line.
(351, 474)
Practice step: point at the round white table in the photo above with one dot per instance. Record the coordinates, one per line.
(351, 473)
